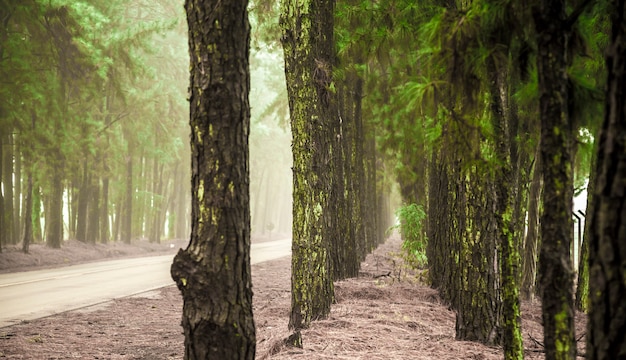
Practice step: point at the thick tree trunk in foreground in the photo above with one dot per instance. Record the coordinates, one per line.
(606, 337)
(309, 52)
(555, 272)
(213, 273)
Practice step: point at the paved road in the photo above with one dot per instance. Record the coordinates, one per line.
(33, 294)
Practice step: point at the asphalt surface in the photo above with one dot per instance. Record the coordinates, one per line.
(31, 295)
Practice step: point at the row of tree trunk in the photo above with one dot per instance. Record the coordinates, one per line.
(93, 205)
(335, 194)
(338, 215)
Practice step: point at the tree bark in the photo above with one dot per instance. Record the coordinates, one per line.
(127, 215)
(556, 275)
(54, 227)
(93, 211)
(529, 274)
(17, 193)
(582, 284)
(37, 231)
(607, 241)
(7, 182)
(104, 210)
(308, 47)
(369, 208)
(504, 213)
(84, 194)
(28, 215)
(213, 272)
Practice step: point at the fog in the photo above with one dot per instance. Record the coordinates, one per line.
(270, 146)
(94, 123)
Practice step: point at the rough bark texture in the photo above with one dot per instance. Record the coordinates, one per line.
(308, 50)
(369, 199)
(343, 246)
(213, 272)
(556, 276)
(529, 274)
(607, 241)
(474, 242)
(439, 248)
(504, 215)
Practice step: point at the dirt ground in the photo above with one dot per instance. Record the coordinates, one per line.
(386, 313)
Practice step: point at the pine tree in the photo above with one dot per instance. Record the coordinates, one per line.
(308, 47)
(213, 272)
(606, 337)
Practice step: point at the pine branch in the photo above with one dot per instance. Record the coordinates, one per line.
(573, 17)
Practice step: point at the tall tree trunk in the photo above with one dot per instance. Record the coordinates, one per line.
(370, 188)
(343, 250)
(474, 241)
(28, 218)
(438, 225)
(84, 194)
(529, 274)
(117, 225)
(606, 337)
(28, 196)
(360, 160)
(93, 212)
(127, 215)
(151, 209)
(556, 275)
(504, 214)
(37, 231)
(17, 193)
(257, 209)
(582, 285)
(158, 206)
(308, 46)
(73, 199)
(104, 211)
(213, 273)
(181, 212)
(7, 183)
(173, 198)
(54, 218)
(105, 232)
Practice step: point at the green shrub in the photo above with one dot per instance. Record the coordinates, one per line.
(414, 239)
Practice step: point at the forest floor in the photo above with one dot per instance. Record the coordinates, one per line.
(385, 313)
